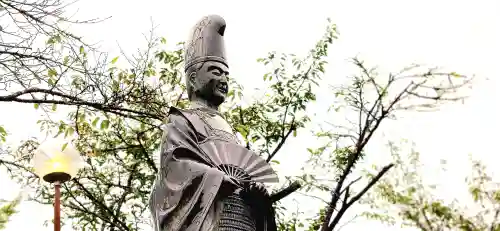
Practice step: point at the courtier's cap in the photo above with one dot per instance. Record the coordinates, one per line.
(206, 42)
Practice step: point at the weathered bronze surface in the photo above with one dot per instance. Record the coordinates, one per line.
(204, 183)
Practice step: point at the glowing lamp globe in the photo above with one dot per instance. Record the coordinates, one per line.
(55, 161)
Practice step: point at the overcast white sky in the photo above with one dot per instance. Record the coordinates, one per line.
(458, 34)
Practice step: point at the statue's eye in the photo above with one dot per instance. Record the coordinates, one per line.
(215, 70)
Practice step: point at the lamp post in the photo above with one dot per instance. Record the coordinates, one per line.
(56, 162)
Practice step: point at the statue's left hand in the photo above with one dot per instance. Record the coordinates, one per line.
(258, 197)
(258, 189)
(258, 193)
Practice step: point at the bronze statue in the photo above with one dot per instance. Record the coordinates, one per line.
(207, 180)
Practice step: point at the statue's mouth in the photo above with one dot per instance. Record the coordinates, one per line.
(222, 87)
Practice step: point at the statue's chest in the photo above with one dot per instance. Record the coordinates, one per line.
(216, 122)
(214, 126)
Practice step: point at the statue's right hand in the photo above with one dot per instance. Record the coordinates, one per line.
(231, 180)
(229, 185)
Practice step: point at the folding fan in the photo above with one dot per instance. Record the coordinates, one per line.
(239, 162)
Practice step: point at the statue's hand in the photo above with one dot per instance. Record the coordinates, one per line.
(229, 185)
(231, 180)
(258, 196)
(258, 192)
(258, 189)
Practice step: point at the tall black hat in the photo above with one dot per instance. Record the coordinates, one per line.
(206, 42)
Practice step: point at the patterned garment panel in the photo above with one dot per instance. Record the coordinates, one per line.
(236, 215)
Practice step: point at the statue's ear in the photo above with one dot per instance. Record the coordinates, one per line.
(192, 78)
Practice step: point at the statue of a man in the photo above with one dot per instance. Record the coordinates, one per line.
(190, 193)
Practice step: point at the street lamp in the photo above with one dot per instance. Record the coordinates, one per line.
(56, 162)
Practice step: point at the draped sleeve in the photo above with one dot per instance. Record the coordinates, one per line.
(186, 185)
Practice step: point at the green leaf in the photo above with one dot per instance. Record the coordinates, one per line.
(275, 161)
(54, 107)
(114, 60)
(54, 39)
(36, 105)
(496, 196)
(94, 122)
(82, 50)
(51, 82)
(104, 124)
(64, 146)
(52, 73)
(69, 131)
(6, 211)
(476, 193)
(163, 40)
(456, 75)
(242, 130)
(66, 60)
(2, 131)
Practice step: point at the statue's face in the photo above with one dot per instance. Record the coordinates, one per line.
(211, 82)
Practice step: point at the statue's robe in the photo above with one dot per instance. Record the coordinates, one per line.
(188, 189)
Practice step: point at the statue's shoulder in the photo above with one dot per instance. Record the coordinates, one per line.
(185, 115)
(188, 118)
(175, 112)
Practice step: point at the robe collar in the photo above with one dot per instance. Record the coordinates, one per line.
(201, 107)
